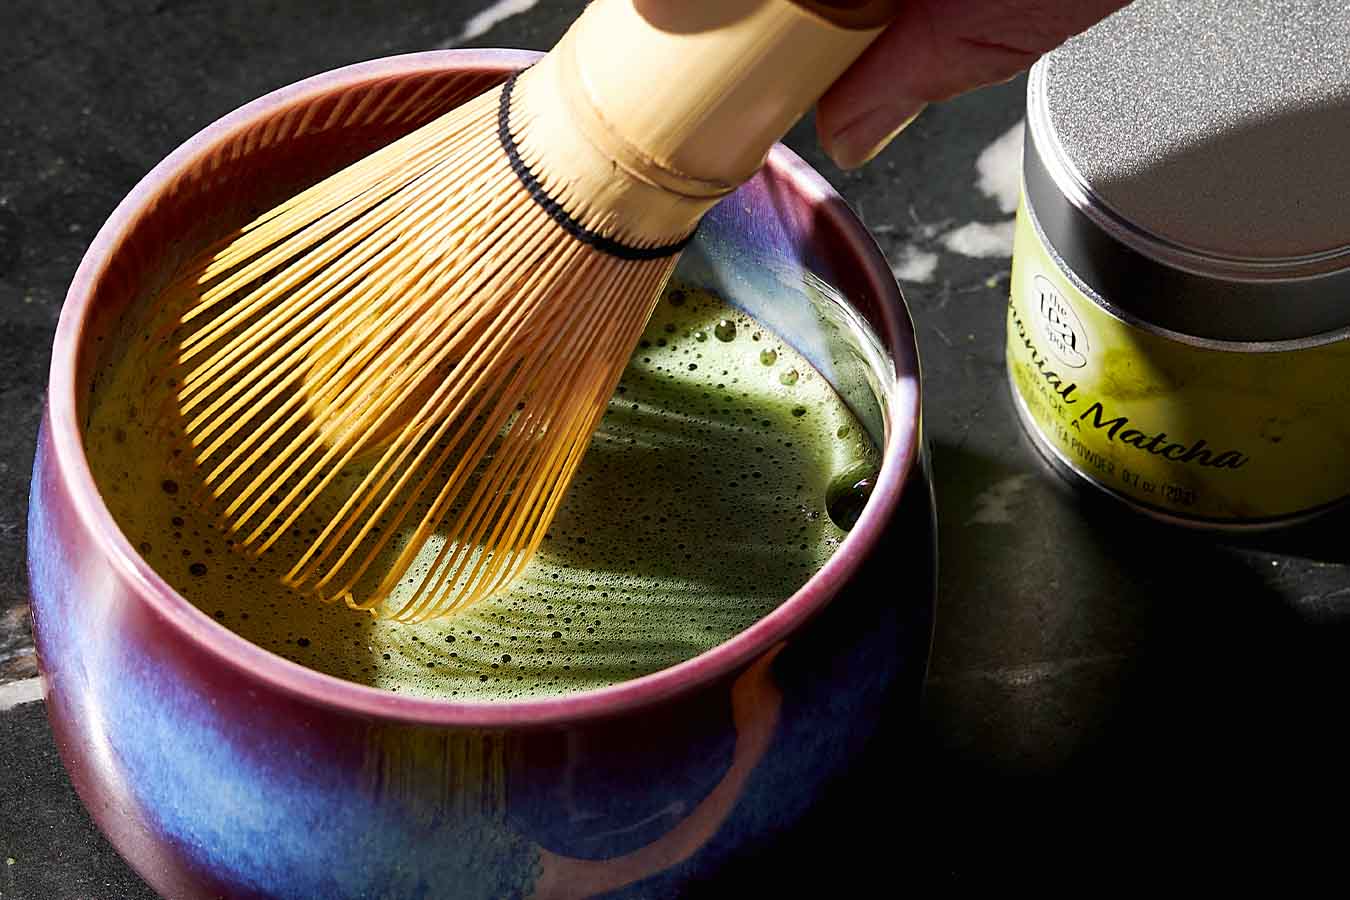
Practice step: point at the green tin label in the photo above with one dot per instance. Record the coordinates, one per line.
(1209, 434)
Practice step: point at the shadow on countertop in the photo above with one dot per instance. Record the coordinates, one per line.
(1182, 682)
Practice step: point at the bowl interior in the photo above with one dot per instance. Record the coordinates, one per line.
(783, 248)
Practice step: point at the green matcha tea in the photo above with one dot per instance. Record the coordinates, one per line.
(700, 506)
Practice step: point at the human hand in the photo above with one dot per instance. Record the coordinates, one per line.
(935, 50)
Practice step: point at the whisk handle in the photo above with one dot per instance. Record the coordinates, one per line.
(695, 92)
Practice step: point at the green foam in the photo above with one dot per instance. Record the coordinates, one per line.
(698, 509)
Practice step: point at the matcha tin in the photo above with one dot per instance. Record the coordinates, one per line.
(1179, 319)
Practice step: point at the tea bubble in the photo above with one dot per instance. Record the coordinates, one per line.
(768, 357)
(725, 330)
(789, 378)
(848, 492)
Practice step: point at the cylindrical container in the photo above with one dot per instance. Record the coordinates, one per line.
(219, 769)
(1179, 322)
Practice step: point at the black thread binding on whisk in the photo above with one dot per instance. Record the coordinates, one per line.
(554, 209)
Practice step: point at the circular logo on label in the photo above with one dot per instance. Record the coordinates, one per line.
(1059, 324)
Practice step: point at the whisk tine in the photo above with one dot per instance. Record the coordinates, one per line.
(321, 211)
(306, 306)
(409, 370)
(468, 529)
(449, 410)
(509, 522)
(298, 349)
(437, 187)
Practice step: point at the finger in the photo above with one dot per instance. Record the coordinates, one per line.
(935, 50)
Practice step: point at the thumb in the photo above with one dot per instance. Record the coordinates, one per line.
(937, 49)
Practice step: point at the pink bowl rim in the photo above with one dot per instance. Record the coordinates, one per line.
(248, 660)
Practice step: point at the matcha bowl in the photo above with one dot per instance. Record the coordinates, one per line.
(217, 768)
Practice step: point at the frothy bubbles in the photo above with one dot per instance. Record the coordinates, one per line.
(683, 526)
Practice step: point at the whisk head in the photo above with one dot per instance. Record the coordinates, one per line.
(406, 362)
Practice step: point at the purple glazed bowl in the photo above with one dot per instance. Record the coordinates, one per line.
(219, 769)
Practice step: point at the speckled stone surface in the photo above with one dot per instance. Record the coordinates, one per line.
(1176, 685)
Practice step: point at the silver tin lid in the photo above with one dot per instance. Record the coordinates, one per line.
(1189, 160)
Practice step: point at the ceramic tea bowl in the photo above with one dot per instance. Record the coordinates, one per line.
(217, 768)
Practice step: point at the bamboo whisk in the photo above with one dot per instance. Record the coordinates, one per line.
(431, 335)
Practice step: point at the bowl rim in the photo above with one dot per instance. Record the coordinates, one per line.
(250, 661)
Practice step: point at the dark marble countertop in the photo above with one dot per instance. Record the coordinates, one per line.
(1164, 677)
